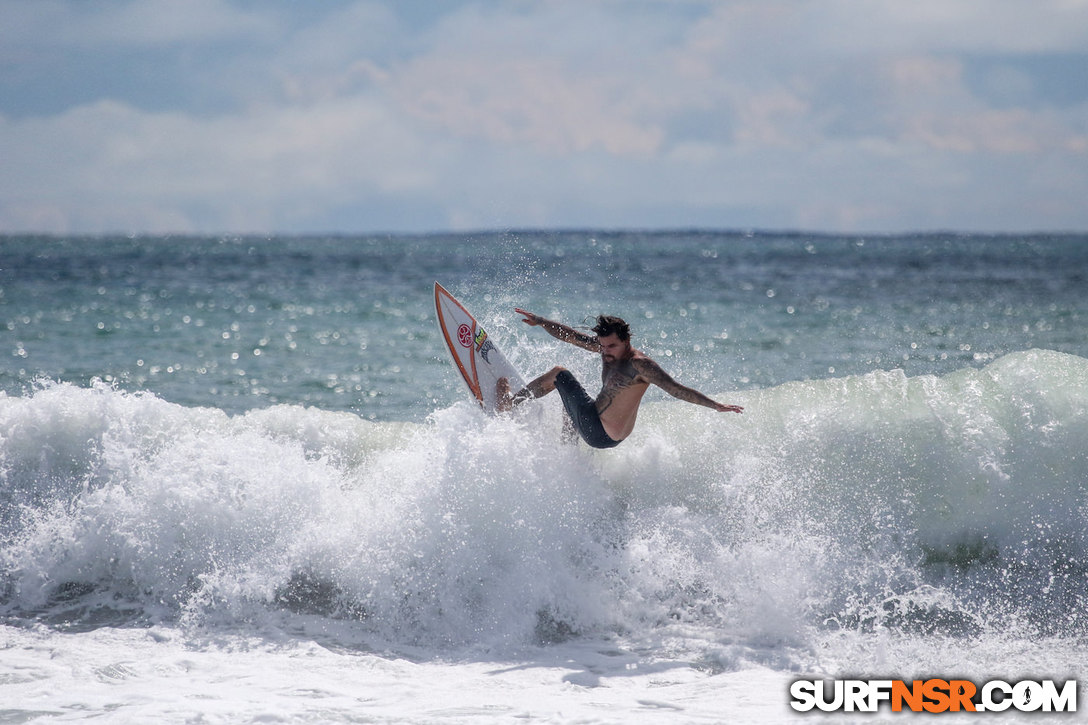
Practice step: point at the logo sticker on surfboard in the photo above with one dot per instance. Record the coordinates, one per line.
(464, 336)
(484, 349)
(474, 354)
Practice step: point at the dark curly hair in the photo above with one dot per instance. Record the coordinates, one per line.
(610, 325)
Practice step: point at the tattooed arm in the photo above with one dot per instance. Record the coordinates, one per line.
(652, 373)
(560, 331)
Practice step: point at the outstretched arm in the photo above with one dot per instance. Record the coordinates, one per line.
(560, 331)
(652, 372)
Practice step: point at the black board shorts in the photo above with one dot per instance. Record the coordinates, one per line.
(582, 410)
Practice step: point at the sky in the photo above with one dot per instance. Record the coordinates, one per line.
(277, 116)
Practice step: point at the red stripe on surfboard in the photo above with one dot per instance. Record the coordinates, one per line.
(472, 379)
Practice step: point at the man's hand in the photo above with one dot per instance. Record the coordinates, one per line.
(651, 372)
(530, 319)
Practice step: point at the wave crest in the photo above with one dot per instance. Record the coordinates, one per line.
(937, 504)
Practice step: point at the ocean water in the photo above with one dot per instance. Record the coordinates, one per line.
(240, 480)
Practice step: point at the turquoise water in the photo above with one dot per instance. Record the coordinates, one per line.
(348, 323)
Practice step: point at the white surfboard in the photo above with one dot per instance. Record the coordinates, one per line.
(474, 353)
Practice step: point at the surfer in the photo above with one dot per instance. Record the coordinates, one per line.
(626, 375)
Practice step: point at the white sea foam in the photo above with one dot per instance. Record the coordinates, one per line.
(467, 527)
(856, 522)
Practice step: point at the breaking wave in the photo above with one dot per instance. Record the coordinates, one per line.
(950, 505)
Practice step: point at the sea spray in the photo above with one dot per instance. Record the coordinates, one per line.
(947, 505)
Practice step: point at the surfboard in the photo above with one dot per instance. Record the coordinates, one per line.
(475, 355)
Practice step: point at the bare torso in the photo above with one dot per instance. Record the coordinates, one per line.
(626, 374)
(621, 393)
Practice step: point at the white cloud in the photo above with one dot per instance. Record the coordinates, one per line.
(534, 102)
(153, 23)
(109, 166)
(839, 114)
(1014, 131)
(937, 26)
